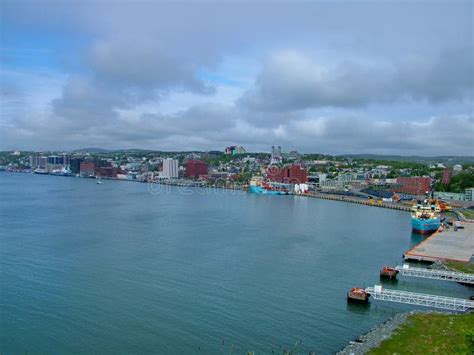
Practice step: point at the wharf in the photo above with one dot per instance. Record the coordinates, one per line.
(359, 201)
(435, 274)
(420, 299)
(448, 245)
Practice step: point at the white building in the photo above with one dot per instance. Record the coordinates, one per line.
(457, 168)
(276, 157)
(170, 168)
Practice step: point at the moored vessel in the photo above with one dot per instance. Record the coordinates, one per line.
(258, 186)
(425, 217)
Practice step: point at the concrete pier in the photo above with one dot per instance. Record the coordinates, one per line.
(448, 245)
(359, 201)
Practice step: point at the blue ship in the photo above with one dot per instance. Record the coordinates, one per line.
(425, 218)
(425, 225)
(258, 186)
(264, 191)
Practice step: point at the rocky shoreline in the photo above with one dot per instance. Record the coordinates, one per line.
(376, 335)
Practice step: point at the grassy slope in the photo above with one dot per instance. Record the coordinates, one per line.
(432, 334)
(458, 266)
(468, 213)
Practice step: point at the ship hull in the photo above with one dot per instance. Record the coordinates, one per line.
(262, 191)
(425, 226)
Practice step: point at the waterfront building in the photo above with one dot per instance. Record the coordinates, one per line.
(75, 165)
(293, 174)
(331, 185)
(106, 171)
(170, 168)
(62, 159)
(412, 185)
(87, 169)
(55, 160)
(37, 161)
(194, 168)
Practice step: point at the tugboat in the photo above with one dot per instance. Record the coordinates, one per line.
(358, 295)
(388, 272)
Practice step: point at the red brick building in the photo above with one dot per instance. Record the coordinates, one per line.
(293, 174)
(194, 168)
(412, 185)
(87, 168)
(106, 171)
(447, 176)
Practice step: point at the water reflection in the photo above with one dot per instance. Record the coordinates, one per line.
(358, 308)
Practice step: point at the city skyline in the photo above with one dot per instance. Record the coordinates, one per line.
(332, 78)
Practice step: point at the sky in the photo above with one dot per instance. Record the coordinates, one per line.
(332, 77)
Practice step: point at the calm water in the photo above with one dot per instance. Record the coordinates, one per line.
(113, 268)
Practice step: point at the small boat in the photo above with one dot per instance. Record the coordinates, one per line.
(99, 182)
(358, 295)
(388, 272)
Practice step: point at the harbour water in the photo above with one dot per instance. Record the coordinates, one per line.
(115, 268)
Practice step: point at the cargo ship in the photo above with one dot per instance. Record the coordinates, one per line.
(425, 217)
(258, 186)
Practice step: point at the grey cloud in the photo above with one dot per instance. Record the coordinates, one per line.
(353, 134)
(292, 81)
(134, 53)
(143, 63)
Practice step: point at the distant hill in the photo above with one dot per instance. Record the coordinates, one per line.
(91, 150)
(447, 159)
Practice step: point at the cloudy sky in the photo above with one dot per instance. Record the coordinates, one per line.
(330, 76)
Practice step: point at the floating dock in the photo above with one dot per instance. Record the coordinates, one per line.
(420, 299)
(445, 275)
(448, 245)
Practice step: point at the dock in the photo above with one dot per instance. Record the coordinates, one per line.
(448, 245)
(433, 274)
(359, 201)
(420, 299)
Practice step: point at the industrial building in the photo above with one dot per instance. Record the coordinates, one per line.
(292, 174)
(195, 168)
(412, 185)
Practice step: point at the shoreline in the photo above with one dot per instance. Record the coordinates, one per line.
(376, 335)
(192, 183)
